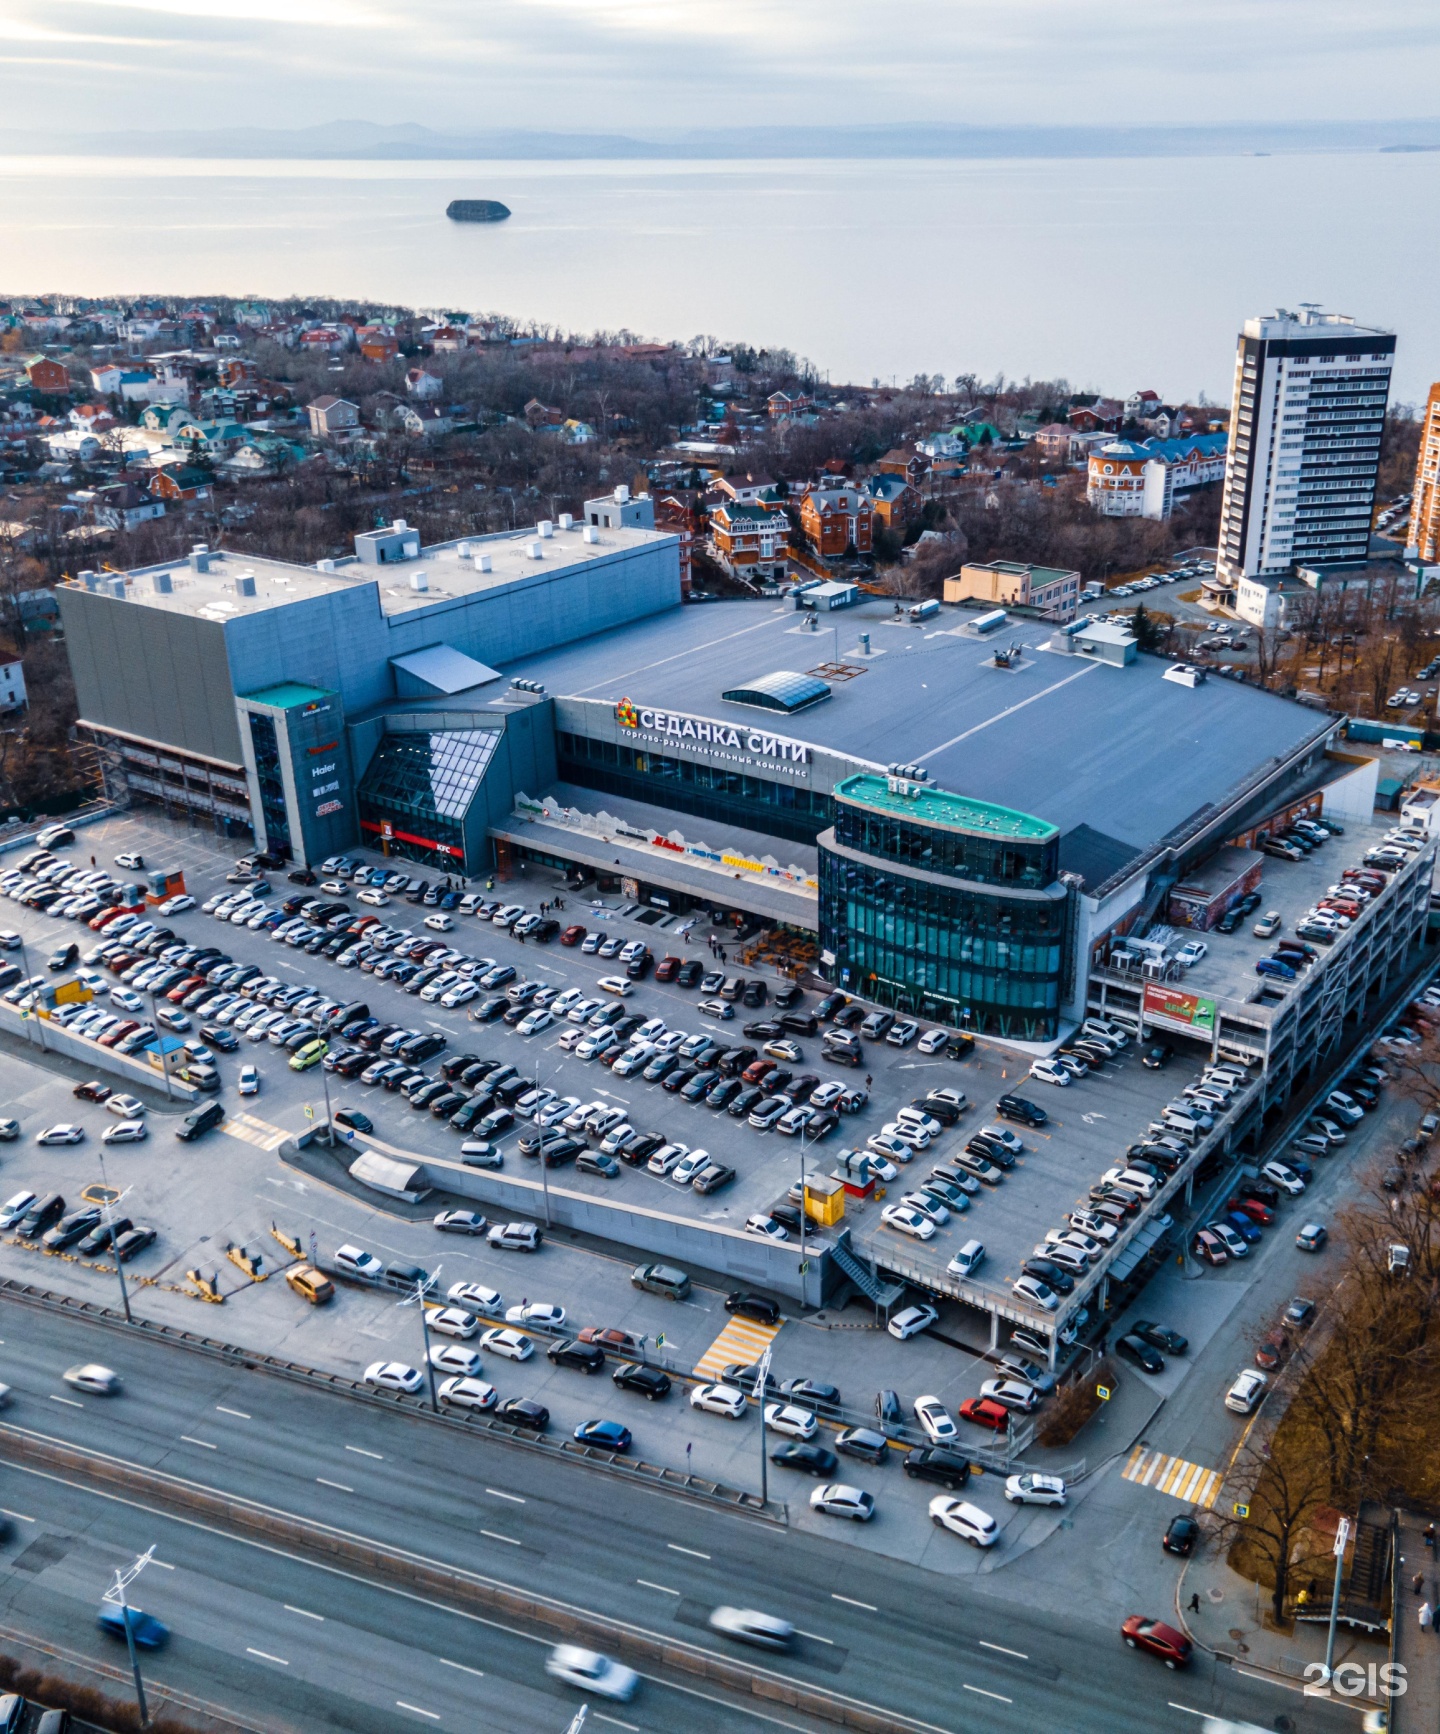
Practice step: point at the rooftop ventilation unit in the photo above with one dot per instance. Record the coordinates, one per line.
(163, 584)
(535, 550)
(546, 529)
(464, 550)
(567, 522)
(483, 563)
(911, 773)
(420, 582)
(534, 686)
(590, 533)
(200, 557)
(117, 589)
(245, 584)
(324, 565)
(90, 579)
(399, 524)
(622, 495)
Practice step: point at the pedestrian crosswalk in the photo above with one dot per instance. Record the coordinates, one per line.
(251, 1130)
(1191, 1482)
(742, 1340)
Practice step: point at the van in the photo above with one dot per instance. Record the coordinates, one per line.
(1183, 1120)
(967, 1259)
(199, 1121)
(310, 1285)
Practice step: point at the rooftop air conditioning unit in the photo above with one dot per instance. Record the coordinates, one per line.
(245, 584)
(622, 494)
(399, 525)
(535, 550)
(200, 557)
(483, 563)
(590, 533)
(419, 581)
(545, 528)
(117, 589)
(324, 565)
(567, 522)
(162, 583)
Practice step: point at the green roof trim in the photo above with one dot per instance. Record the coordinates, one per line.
(287, 695)
(947, 812)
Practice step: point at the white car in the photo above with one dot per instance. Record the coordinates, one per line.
(1035, 1490)
(766, 1227)
(967, 1521)
(554, 1112)
(451, 1358)
(616, 984)
(358, 1263)
(92, 1377)
(451, 1321)
(596, 1042)
(126, 998)
(461, 994)
(534, 1022)
(1344, 1108)
(1286, 1179)
(912, 1321)
(666, 1157)
(17, 1205)
(719, 1400)
(892, 1149)
(467, 1393)
(177, 905)
(908, 1133)
(476, 1295)
(786, 1418)
(936, 1420)
(125, 1132)
(1077, 1241)
(592, 1672)
(932, 1041)
(537, 1315)
(837, 1499)
(373, 896)
(248, 1083)
(1037, 1293)
(927, 1206)
(394, 1376)
(1191, 952)
(440, 922)
(509, 1345)
(900, 1035)
(1011, 1394)
(1049, 1072)
(1245, 1394)
(906, 1220)
(685, 1170)
(62, 1134)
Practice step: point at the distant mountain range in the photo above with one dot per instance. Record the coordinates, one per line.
(368, 141)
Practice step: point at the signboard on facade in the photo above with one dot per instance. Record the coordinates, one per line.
(1180, 1008)
(665, 726)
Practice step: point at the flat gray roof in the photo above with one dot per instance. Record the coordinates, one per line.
(1065, 739)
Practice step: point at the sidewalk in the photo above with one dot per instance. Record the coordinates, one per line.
(1417, 1651)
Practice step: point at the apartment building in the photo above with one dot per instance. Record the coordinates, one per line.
(1424, 537)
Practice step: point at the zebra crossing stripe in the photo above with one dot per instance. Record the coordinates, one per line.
(1191, 1483)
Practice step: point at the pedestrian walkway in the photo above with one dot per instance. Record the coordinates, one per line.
(741, 1340)
(1190, 1482)
(1416, 1650)
(251, 1130)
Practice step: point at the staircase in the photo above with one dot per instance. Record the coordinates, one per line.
(865, 1277)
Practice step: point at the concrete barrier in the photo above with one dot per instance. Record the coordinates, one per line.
(42, 1034)
(421, 1575)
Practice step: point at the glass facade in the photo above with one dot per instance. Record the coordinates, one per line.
(977, 960)
(708, 791)
(957, 854)
(418, 788)
(266, 742)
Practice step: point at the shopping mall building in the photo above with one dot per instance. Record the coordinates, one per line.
(955, 831)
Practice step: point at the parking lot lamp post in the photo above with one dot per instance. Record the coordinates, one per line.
(32, 1013)
(417, 1299)
(164, 1057)
(115, 1595)
(325, 1086)
(106, 1206)
(762, 1378)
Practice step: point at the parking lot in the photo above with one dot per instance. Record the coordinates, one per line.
(230, 1186)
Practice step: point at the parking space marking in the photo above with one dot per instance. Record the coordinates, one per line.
(509, 1540)
(19, 1516)
(514, 1498)
(1190, 1482)
(741, 1340)
(360, 1451)
(69, 1401)
(1003, 1651)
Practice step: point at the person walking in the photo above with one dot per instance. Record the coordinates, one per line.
(1195, 1604)
(1428, 1536)
(1417, 1583)
(1427, 1617)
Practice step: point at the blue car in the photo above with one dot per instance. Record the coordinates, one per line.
(608, 1435)
(1243, 1226)
(1273, 966)
(148, 1632)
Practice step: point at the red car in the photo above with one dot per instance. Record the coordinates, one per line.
(1257, 1211)
(572, 936)
(1209, 1247)
(1172, 1647)
(667, 969)
(985, 1412)
(185, 988)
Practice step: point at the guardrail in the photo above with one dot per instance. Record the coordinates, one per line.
(697, 1487)
(416, 1573)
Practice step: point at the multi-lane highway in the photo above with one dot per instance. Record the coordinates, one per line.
(289, 1642)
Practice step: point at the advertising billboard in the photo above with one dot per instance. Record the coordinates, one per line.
(1180, 1008)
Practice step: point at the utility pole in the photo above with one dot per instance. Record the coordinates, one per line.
(33, 1012)
(108, 1201)
(164, 1057)
(762, 1378)
(418, 1299)
(1342, 1536)
(115, 1595)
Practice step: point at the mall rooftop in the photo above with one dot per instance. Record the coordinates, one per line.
(1120, 750)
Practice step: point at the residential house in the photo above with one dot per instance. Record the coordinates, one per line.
(212, 438)
(425, 386)
(73, 445)
(539, 415)
(263, 455)
(93, 417)
(181, 482)
(164, 419)
(751, 541)
(893, 501)
(576, 433)
(782, 406)
(1059, 443)
(1050, 590)
(745, 490)
(447, 339)
(378, 346)
(12, 686)
(236, 371)
(1102, 416)
(1140, 404)
(50, 377)
(124, 506)
(837, 521)
(1141, 479)
(911, 466)
(325, 340)
(423, 420)
(946, 443)
(332, 415)
(676, 514)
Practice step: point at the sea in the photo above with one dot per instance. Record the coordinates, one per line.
(1111, 273)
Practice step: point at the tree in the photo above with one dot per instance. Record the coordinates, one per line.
(1284, 1491)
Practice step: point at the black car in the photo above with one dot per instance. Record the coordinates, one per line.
(585, 1357)
(71, 1229)
(1261, 1190)
(489, 1009)
(132, 1241)
(524, 1412)
(1021, 1110)
(792, 994)
(697, 1085)
(651, 1382)
(755, 994)
(430, 1092)
(199, 1121)
(100, 1237)
(44, 1214)
(811, 1459)
(643, 1148)
(689, 972)
(217, 1036)
(1230, 920)
(1140, 1354)
(863, 1442)
(799, 1023)
(722, 1093)
(405, 1278)
(1181, 1536)
(848, 1016)
(1158, 1054)
(678, 1079)
(733, 1061)
(832, 1003)
(64, 955)
(744, 1100)
(945, 1112)
(767, 1030)
(421, 1048)
(1160, 1337)
(354, 1120)
(564, 1150)
(1051, 1274)
(753, 1306)
(812, 1393)
(740, 1374)
(443, 1106)
(593, 1162)
(934, 1463)
(639, 967)
(531, 1142)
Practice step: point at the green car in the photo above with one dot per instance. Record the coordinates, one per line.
(310, 1055)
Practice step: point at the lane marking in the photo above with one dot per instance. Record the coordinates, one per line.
(204, 1444)
(239, 1414)
(615, 1722)
(303, 1612)
(694, 1553)
(514, 1498)
(1185, 1708)
(508, 1539)
(265, 1656)
(445, 1662)
(869, 1607)
(361, 1452)
(416, 1710)
(69, 1401)
(664, 1589)
(815, 1636)
(338, 1485)
(980, 1692)
(1020, 1654)
(19, 1516)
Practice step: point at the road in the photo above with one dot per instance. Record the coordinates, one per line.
(244, 1616)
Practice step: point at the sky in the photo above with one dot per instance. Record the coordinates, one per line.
(631, 65)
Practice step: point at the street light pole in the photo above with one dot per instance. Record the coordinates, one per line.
(32, 1013)
(1342, 1536)
(761, 1379)
(418, 1299)
(116, 1595)
(325, 1086)
(164, 1057)
(106, 1206)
